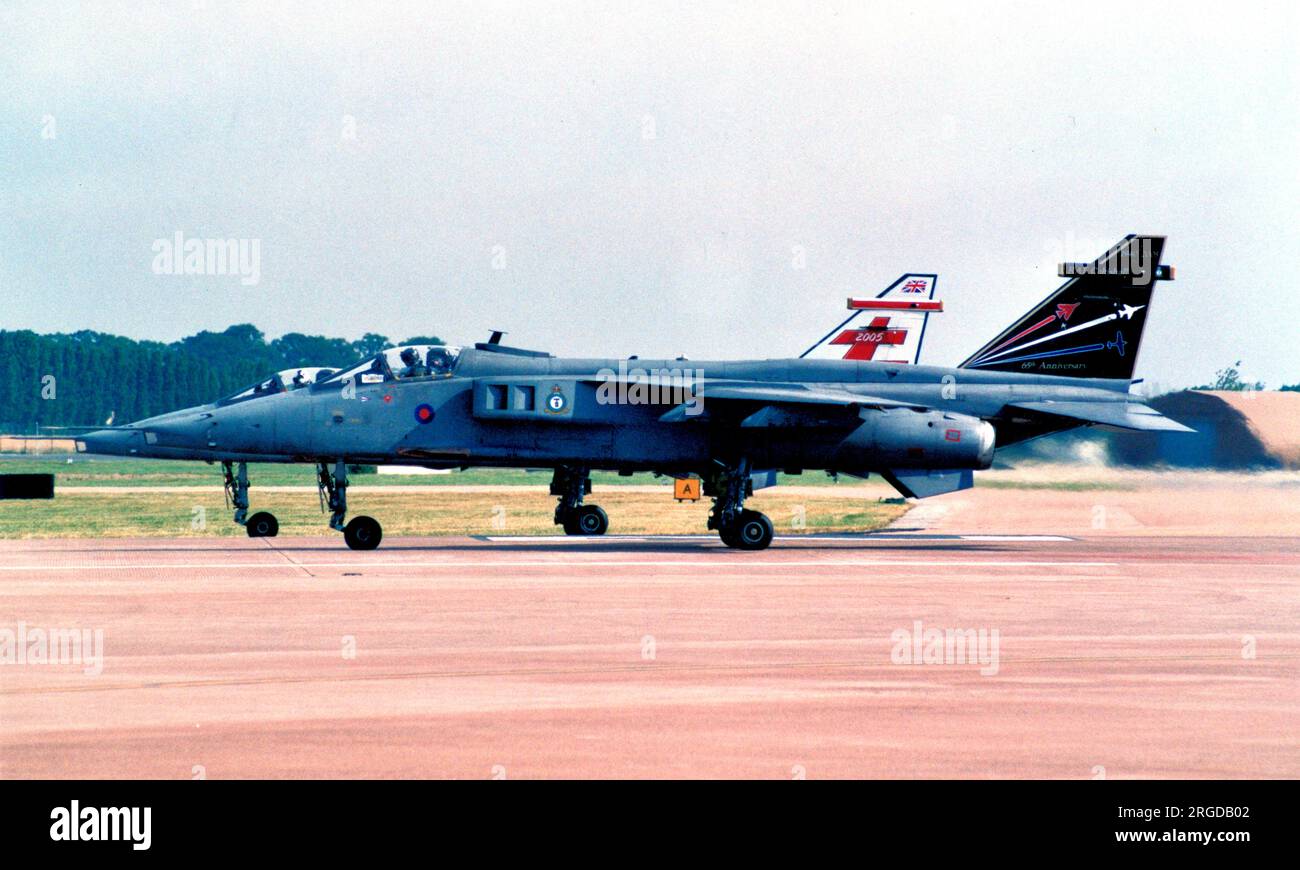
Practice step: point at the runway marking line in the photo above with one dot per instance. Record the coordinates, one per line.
(850, 538)
(864, 562)
(652, 668)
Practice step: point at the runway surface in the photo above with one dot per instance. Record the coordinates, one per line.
(1121, 652)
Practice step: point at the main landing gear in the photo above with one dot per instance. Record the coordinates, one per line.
(261, 524)
(737, 527)
(362, 533)
(571, 483)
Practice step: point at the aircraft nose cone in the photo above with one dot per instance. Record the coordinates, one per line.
(189, 433)
(111, 442)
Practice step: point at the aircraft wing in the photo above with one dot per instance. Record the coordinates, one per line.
(1122, 415)
(782, 395)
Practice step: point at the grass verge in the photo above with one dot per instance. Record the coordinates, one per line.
(204, 514)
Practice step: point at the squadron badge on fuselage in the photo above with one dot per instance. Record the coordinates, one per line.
(555, 402)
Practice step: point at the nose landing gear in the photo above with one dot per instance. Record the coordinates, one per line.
(362, 533)
(261, 524)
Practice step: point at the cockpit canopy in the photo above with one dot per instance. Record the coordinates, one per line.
(400, 363)
(282, 382)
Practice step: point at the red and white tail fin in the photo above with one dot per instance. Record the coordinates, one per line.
(889, 328)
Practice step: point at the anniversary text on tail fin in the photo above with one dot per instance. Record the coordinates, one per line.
(1091, 326)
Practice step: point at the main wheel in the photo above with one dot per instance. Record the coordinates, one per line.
(751, 531)
(588, 520)
(363, 533)
(262, 525)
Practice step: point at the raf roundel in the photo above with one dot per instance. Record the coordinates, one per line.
(424, 413)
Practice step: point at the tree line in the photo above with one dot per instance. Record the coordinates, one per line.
(83, 378)
(1230, 379)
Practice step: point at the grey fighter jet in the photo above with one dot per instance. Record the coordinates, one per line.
(1066, 363)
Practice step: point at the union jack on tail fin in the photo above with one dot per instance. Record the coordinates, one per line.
(888, 328)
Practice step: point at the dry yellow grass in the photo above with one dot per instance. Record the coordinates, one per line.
(125, 514)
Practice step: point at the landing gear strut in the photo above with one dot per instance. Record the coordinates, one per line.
(362, 533)
(260, 524)
(737, 527)
(571, 483)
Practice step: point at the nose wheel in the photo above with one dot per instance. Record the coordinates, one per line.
(363, 533)
(262, 525)
(360, 533)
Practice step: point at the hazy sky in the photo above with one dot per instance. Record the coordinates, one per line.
(704, 179)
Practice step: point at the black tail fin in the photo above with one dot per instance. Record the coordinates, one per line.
(1092, 325)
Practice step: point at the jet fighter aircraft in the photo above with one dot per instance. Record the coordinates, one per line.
(840, 407)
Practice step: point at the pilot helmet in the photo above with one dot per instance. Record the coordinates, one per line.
(410, 356)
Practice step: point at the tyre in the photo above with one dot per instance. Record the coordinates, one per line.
(589, 520)
(752, 531)
(262, 525)
(363, 533)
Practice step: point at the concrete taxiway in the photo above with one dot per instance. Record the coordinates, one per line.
(1121, 651)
